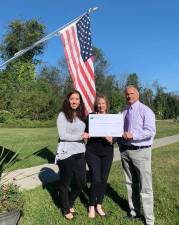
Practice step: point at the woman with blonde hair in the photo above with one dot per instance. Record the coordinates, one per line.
(99, 156)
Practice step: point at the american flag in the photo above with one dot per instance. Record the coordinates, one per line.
(76, 39)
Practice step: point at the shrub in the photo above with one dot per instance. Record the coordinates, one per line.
(26, 123)
(11, 198)
(5, 116)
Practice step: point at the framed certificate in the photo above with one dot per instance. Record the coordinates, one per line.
(103, 125)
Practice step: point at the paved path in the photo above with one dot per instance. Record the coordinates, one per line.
(157, 143)
(32, 177)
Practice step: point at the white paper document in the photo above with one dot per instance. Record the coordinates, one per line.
(103, 125)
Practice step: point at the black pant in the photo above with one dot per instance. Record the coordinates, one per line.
(99, 168)
(71, 169)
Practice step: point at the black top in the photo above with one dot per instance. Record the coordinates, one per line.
(98, 145)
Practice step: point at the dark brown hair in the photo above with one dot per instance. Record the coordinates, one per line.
(96, 103)
(69, 112)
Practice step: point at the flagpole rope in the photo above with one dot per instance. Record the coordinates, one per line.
(54, 33)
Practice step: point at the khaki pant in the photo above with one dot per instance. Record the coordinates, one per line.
(137, 171)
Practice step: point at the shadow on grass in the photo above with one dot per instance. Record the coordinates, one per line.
(7, 158)
(7, 154)
(45, 153)
(177, 208)
(50, 182)
(110, 192)
(121, 202)
(115, 197)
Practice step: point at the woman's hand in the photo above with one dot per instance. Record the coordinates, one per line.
(85, 136)
(109, 139)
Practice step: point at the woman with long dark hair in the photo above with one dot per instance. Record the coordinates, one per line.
(99, 156)
(70, 153)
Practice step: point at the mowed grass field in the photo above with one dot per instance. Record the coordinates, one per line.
(41, 207)
(166, 128)
(37, 146)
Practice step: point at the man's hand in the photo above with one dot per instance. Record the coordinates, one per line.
(127, 135)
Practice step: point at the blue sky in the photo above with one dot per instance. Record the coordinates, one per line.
(136, 36)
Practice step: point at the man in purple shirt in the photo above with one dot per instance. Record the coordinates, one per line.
(135, 148)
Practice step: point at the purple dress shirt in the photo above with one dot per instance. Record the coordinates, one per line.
(139, 120)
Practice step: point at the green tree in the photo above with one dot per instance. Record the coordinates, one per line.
(35, 101)
(22, 34)
(67, 83)
(19, 76)
(55, 80)
(117, 100)
(101, 66)
(172, 106)
(133, 79)
(147, 97)
(106, 83)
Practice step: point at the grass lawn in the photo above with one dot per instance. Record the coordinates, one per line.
(41, 207)
(167, 128)
(40, 143)
(34, 145)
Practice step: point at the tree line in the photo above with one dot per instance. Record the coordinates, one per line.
(31, 91)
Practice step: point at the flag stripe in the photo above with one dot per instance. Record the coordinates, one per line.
(79, 77)
(70, 65)
(74, 61)
(85, 73)
(74, 68)
(78, 52)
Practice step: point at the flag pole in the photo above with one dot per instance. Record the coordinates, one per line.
(54, 33)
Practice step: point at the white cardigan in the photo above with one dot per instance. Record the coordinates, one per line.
(70, 134)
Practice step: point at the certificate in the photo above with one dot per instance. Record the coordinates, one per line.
(103, 125)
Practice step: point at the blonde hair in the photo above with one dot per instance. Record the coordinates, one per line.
(97, 100)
